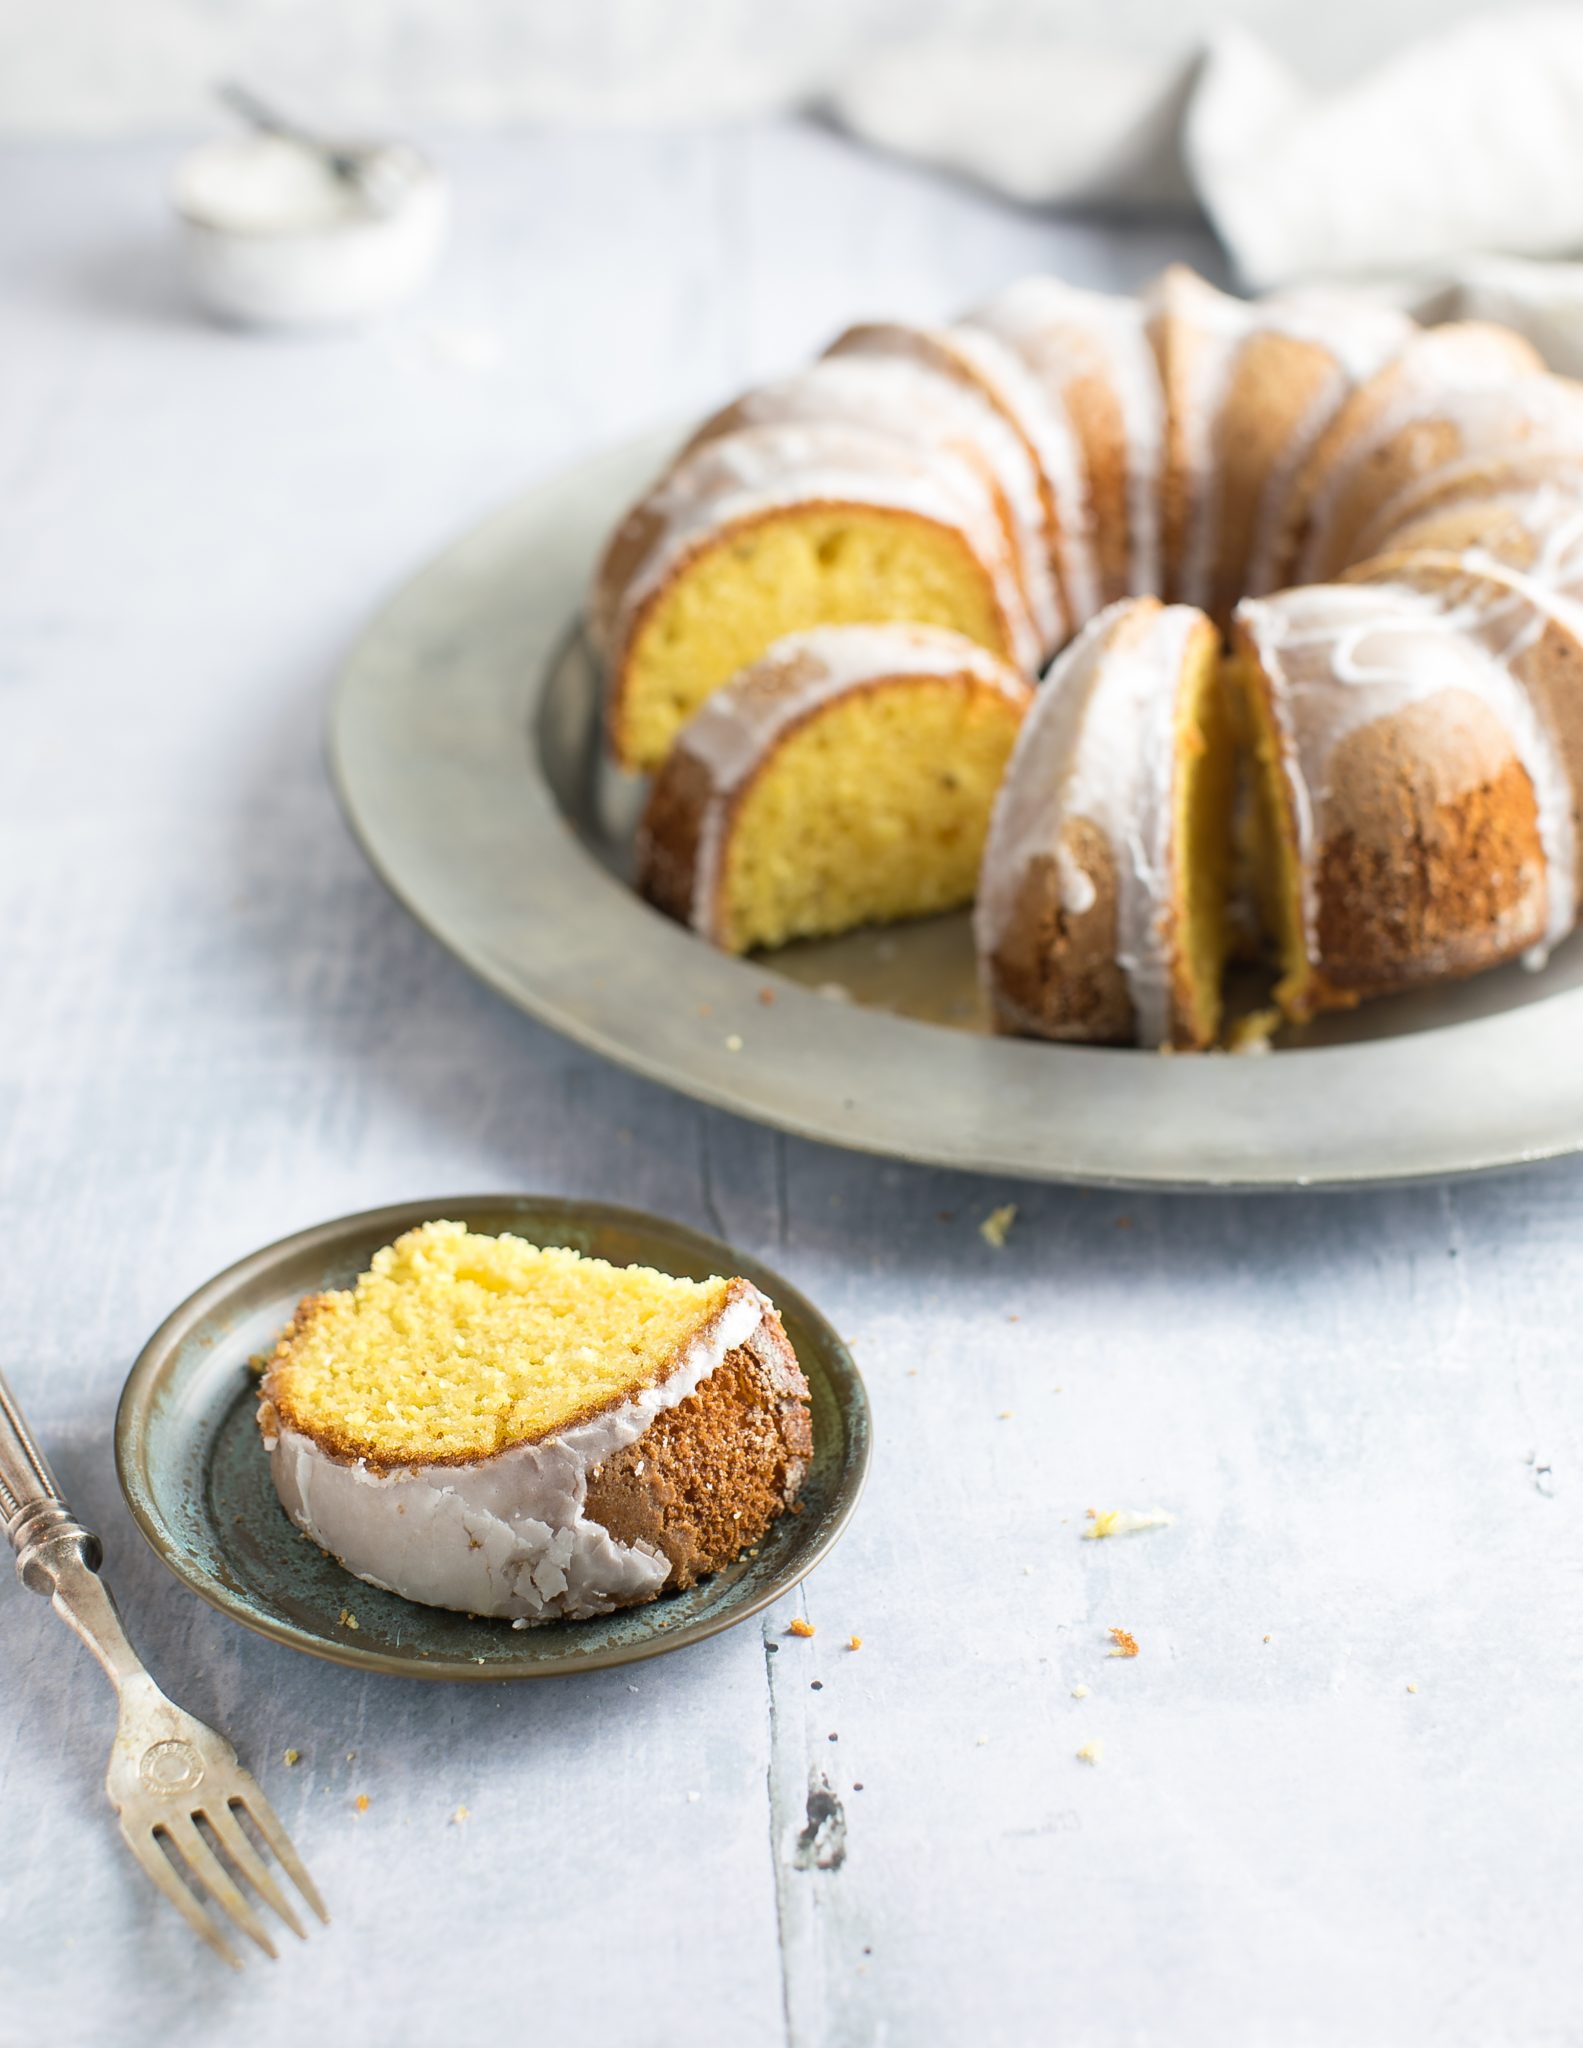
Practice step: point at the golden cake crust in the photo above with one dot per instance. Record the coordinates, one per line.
(709, 1477)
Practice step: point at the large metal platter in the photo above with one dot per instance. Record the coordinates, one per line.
(465, 743)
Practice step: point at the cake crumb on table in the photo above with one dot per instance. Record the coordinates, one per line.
(854, 1642)
(461, 1814)
(1126, 1645)
(1090, 1753)
(1080, 1691)
(1410, 1686)
(1124, 1522)
(348, 1618)
(995, 1226)
(799, 1627)
(292, 1756)
(361, 1802)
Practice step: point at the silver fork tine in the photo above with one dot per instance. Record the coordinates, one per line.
(233, 1839)
(161, 1756)
(263, 1816)
(213, 1878)
(158, 1866)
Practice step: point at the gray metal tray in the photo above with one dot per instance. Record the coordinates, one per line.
(465, 743)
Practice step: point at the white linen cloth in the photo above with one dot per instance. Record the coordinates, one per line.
(1436, 179)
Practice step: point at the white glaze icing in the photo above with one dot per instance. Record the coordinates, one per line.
(978, 360)
(504, 1535)
(740, 724)
(760, 470)
(917, 404)
(1548, 511)
(1099, 744)
(1468, 380)
(1207, 334)
(1064, 333)
(1339, 657)
(1054, 442)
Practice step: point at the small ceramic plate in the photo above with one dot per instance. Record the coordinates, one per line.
(197, 1481)
(466, 742)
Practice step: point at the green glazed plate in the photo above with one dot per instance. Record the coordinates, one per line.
(197, 1481)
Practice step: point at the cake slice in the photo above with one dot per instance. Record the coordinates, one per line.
(1102, 905)
(776, 529)
(1415, 813)
(845, 779)
(509, 1430)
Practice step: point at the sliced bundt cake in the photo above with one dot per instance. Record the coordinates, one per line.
(844, 779)
(507, 1430)
(1102, 899)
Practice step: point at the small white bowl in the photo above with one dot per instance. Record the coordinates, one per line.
(274, 238)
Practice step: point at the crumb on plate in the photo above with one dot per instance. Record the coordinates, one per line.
(995, 1226)
(1126, 1645)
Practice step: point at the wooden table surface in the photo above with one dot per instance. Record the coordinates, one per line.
(1337, 1795)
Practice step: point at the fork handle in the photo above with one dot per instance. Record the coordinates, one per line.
(55, 1554)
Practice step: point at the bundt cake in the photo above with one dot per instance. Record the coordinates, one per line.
(1415, 815)
(1128, 479)
(846, 778)
(507, 1430)
(1102, 900)
(764, 532)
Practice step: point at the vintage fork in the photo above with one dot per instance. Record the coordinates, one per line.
(168, 1772)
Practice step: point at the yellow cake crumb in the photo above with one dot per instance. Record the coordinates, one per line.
(854, 1642)
(997, 1224)
(1124, 1522)
(361, 1802)
(1411, 1687)
(348, 1618)
(1126, 1644)
(1090, 1753)
(799, 1627)
(1080, 1692)
(292, 1756)
(461, 1814)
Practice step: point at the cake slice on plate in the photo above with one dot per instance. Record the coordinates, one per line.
(504, 1429)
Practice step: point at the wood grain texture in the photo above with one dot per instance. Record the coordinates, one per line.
(1364, 1413)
